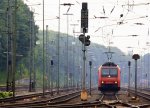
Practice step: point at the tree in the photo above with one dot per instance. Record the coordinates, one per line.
(24, 27)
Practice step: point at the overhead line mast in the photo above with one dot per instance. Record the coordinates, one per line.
(58, 47)
(67, 4)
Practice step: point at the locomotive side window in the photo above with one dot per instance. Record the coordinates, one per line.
(107, 71)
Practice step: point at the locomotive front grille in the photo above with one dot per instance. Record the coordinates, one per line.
(111, 87)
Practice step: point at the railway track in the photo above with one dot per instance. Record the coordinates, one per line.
(108, 97)
(104, 101)
(43, 102)
(30, 96)
(112, 101)
(144, 93)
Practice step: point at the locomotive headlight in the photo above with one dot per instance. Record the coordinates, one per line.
(102, 82)
(115, 82)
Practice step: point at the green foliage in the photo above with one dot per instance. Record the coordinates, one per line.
(5, 95)
(24, 21)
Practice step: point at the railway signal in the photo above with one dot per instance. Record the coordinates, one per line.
(84, 18)
(87, 41)
(135, 57)
(52, 62)
(81, 38)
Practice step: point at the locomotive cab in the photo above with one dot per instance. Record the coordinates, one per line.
(109, 77)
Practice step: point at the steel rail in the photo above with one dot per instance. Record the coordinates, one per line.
(45, 101)
(17, 98)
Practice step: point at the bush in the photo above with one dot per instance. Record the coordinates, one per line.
(5, 95)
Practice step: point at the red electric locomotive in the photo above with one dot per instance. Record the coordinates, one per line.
(109, 77)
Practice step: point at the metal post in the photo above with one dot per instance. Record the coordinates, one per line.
(9, 46)
(68, 74)
(73, 54)
(30, 57)
(34, 73)
(90, 80)
(90, 63)
(74, 66)
(51, 73)
(67, 4)
(129, 64)
(58, 48)
(46, 51)
(8, 30)
(67, 56)
(84, 59)
(84, 26)
(144, 69)
(141, 73)
(136, 57)
(79, 70)
(84, 65)
(43, 55)
(48, 75)
(14, 50)
(148, 76)
(135, 78)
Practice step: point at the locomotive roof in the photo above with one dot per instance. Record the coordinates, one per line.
(109, 64)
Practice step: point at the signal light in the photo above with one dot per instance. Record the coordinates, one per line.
(135, 57)
(52, 62)
(88, 37)
(87, 41)
(129, 63)
(84, 18)
(81, 38)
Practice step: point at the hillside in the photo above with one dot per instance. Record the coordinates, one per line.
(95, 53)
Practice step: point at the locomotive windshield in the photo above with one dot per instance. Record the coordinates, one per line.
(112, 72)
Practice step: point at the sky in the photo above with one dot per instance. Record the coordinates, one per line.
(126, 25)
